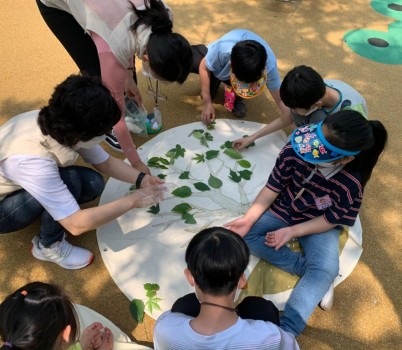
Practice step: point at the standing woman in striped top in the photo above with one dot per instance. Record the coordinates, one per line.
(315, 188)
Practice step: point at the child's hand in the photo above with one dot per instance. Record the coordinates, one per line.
(208, 113)
(277, 239)
(241, 226)
(107, 340)
(241, 144)
(91, 336)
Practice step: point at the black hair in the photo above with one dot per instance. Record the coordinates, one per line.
(302, 87)
(248, 60)
(33, 317)
(170, 54)
(217, 258)
(80, 108)
(350, 131)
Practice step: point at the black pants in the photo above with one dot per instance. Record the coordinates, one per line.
(252, 308)
(72, 36)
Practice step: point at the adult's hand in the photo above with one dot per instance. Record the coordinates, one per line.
(141, 166)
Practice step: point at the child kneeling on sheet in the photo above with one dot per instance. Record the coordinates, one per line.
(216, 259)
(315, 187)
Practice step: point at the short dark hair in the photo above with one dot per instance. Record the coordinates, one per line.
(33, 317)
(170, 54)
(350, 131)
(248, 60)
(302, 87)
(217, 258)
(80, 108)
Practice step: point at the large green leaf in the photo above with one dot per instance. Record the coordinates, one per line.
(244, 163)
(185, 175)
(176, 152)
(200, 186)
(246, 174)
(211, 154)
(182, 192)
(188, 218)
(182, 208)
(214, 182)
(137, 308)
(234, 176)
(198, 134)
(232, 153)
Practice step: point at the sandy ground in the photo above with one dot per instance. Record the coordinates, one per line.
(367, 308)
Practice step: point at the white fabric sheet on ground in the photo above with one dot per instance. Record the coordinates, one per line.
(120, 340)
(142, 247)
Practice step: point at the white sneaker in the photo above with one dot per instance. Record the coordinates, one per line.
(62, 253)
(328, 299)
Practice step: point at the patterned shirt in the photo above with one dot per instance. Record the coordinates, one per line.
(294, 205)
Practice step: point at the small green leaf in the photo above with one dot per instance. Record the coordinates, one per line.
(214, 182)
(204, 141)
(164, 161)
(211, 154)
(153, 160)
(155, 209)
(198, 134)
(148, 305)
(184, 175)
(155, 305)
(227, 144)
(151, 286)
(176, 152)
(161, 176)
(188, 218)
(182, 192)
(200, 186)
(232, 153)
(208, 136)
(234, 176)
(244, 163)
(137, 308)
(182, 208)
(150, 293)
(246, 174)
(199, 158)
(211, 125)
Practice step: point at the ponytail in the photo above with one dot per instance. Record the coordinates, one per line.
(350, 131)
(170, 55)
(155, 15)
(366, 160)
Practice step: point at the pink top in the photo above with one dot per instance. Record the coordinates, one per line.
(113, 76)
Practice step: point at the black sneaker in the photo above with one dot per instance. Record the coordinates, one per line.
(112, 142)
(240, 108)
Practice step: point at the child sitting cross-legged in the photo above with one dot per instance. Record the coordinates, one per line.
(207, 319)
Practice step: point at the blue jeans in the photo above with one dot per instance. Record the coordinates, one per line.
(317, 266)
(19, 209)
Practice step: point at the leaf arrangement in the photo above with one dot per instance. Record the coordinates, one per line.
(202, 135)
(137, 306)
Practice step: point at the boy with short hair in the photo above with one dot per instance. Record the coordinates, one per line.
(310, 99)
(216, 259)
(245, 63)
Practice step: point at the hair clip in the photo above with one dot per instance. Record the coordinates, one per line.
(24, 293)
